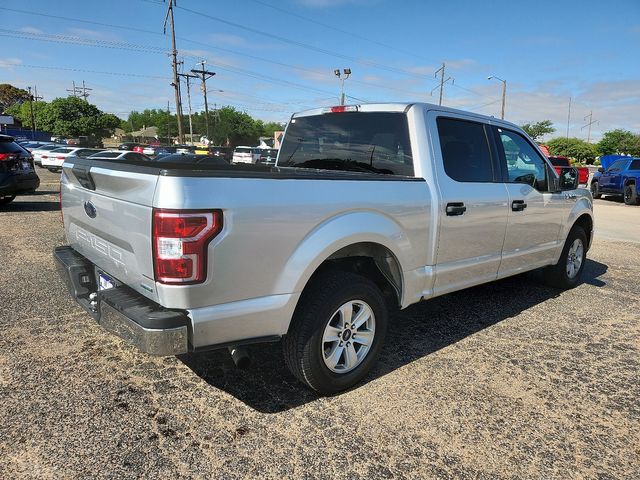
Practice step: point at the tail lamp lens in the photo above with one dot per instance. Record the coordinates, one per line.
(180, 242)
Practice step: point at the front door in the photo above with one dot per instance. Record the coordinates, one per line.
(473, 202)
(535, 214)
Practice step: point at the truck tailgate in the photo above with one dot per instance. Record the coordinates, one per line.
(107, 217)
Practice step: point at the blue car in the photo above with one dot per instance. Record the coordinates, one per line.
(618, 176)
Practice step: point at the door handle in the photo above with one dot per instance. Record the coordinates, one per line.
(455, 208)
(518, 205)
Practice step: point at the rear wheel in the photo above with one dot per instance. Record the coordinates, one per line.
(7, 200)
(595, 190)
(630, 194)
(337, 331)
(566, 273)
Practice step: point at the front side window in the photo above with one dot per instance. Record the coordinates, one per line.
(375, 142)
(523, 163)
(465, 150)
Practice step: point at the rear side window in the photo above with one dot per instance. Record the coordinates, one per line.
(465, 150)
(635, 165)
(376, 142)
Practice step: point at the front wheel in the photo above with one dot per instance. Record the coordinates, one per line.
(337, 331)
(630, 194)
(566, 273)
(595, 190)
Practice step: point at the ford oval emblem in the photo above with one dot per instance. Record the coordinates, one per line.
(90, 209)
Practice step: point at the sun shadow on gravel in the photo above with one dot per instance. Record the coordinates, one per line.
(268, 387)
(28, 206)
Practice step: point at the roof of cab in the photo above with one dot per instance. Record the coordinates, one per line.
(403, 107)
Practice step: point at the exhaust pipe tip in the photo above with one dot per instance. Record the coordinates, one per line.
(240, 357)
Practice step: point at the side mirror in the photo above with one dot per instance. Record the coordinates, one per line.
(569, 179)
(601, 170)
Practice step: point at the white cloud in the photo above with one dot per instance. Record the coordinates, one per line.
(9, 63)
(33, 30)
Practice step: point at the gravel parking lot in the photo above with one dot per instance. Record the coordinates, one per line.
(507, 380)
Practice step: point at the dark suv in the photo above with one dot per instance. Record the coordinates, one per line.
(17, 173)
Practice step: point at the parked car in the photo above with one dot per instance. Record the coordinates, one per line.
(53, 159)
(33, 145)
(560, 162)
(268, 156)
(128, 146)
(242, 155)
(622, 178)
(39, 151)
(119, 155)
(17, 170)
(384, 205)
(223, 152)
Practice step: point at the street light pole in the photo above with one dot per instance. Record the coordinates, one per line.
(504, 92)
(347, 72)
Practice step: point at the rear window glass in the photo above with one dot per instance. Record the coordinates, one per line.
(62, 150)
(11, 147)
(376, 142)
(243, 150)
(465, 150)
(635, 165)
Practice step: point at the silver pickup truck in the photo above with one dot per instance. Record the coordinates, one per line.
(369, 208)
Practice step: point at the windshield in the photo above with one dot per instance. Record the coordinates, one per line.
(375, 142)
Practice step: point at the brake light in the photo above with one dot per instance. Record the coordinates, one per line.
(180, 242)
(6, 156)
(59, 157)
(341, 109)
(43, 157)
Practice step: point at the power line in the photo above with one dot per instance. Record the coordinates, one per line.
(442, 82)
(591, 122)
(67, 69)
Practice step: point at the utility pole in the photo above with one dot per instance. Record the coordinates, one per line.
(569, 117)
(33, 117)
(591, 122)
(504, 92)
(188, 77)
(84, 91)
(74, 89)
(442, 81)
(176, 80)
(203, 75)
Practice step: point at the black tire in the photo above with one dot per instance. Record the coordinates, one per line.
(630, 194)
(303, 345)
(557, 275)
(7, 200)
(595, 190)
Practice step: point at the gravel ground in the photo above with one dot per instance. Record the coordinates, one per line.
(507, 380)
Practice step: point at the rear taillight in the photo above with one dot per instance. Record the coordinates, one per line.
(59, 157)
(180, 242)
(6, 156)
(42, 157)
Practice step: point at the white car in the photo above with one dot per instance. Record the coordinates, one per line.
(37, 152)
(243, 155)
(52, 160)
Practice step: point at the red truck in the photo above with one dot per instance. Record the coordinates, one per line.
(560, 162)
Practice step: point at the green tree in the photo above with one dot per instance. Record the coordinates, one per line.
(538, 129)
(573, 148)
(10, 96)
(22, 111)
(619, 141)
(234, 128)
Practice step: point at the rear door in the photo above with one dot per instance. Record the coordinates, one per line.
(473, 202)
(107, 217)
(535, 214)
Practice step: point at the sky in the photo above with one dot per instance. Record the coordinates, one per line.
(273, 58)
